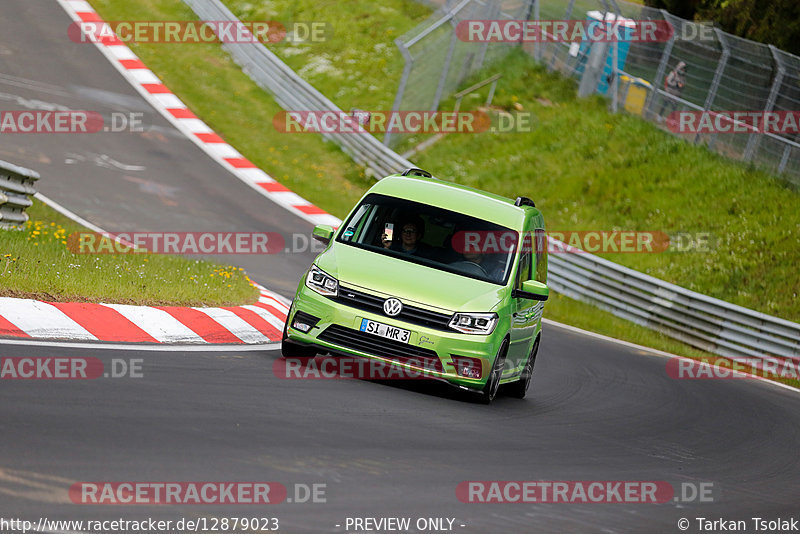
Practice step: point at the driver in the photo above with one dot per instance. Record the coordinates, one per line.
(476, 262)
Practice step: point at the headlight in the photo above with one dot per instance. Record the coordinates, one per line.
(321, 282)
(474, 323)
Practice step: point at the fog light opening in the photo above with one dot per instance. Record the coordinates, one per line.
(467, 367)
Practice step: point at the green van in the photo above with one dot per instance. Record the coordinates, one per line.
(430, 276)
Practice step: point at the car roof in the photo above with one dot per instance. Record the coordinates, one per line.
(454, 197)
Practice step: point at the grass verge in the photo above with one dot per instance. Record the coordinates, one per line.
(588, 169)
(36, 263)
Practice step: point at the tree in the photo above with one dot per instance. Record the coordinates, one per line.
(775, 22)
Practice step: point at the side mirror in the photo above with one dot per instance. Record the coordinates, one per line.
(323, 233)
(533, 290)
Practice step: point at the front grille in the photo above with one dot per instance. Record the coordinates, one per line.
(410, 314)
(381, 347)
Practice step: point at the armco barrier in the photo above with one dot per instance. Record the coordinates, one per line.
(295, 94)
(704, 322)
(16, 185)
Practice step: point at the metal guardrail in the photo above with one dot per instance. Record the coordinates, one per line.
(16, 185)
(295, 94)
(698, 320)
(704, 322)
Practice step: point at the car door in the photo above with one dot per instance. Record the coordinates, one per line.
(524, 311)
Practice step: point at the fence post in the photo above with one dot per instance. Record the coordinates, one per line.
(537, 46)
(615, 60)
(401, 89)
(755, 138)
(567, 15)
(712, 91)
(445, 69)
(784, 158)
(662, 67)
(492, 14)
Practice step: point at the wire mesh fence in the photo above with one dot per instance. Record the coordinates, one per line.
(437, 62)
(724, 73)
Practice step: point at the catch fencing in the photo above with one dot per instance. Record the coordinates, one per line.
(725, 73)
(437, 62)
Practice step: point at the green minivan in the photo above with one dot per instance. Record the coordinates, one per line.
(429, 276)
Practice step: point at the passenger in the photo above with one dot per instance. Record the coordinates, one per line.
(411, 233)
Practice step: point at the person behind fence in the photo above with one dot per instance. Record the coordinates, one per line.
(673, 85)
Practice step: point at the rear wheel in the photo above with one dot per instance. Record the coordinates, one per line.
(519, 388)
(290, 349)
(489, 391)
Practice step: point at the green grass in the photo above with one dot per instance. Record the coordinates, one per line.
(586, 168)
(359, 65)
(37, 263)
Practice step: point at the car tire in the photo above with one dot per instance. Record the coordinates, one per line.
(520, 388)
(289, 349)
(489, 391)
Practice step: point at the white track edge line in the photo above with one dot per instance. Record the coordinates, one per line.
(654, 352)
(147, 348)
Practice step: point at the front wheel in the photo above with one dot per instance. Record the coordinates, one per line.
(519, 388)
(290, 349)
(489, 391)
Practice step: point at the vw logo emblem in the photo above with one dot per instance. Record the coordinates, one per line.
(392, 307)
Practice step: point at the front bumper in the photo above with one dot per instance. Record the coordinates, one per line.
(338, 331)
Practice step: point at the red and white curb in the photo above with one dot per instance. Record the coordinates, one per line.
(170, 106)
(257, 323)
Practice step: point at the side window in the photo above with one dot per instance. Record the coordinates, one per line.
(524, 271)
(355, 230)
(540, 238)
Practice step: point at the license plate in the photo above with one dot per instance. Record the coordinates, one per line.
(384, 330)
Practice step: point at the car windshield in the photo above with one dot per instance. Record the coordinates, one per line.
(430, 236)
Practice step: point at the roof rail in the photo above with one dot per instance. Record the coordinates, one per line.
(417, 172)
(524, 201)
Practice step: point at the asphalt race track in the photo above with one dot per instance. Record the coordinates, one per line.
(599, 411)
